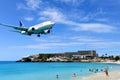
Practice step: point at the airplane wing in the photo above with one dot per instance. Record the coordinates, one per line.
(15, 27)
(16, 31)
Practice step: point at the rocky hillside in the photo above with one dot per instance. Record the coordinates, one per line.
(36, 58)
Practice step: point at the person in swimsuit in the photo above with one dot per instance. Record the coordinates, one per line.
(106, 71)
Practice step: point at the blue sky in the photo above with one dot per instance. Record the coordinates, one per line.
(80, 25)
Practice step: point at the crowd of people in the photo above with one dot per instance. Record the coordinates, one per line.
(102, 70)
(90, 70)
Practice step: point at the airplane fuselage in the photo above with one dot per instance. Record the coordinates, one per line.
(41, 28)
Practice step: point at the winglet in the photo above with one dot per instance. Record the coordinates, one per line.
(21, 25)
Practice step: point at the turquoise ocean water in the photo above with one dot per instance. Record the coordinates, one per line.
(48, 71)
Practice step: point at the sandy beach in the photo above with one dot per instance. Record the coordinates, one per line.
(117, 62)
(114, 75)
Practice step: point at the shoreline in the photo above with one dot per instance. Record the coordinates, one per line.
(111, 62)
(102, 76)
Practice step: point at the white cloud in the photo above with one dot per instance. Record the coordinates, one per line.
(45, 45)
(30, 5)
(20, 6)
(94, 15)
(57, 16)
(94, 27)
(33, 4)
(85, 39)
(71, 42)
(29, 18)
(72, 2)
(52, 14)
(105, 45)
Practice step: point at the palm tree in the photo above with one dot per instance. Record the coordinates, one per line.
(102, 56)
(106, 54)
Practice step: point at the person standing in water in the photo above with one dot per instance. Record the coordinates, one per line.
(57, 76)
(74, 75)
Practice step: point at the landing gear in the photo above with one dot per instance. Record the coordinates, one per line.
(29, 34)
(38, 35)
(48, 31)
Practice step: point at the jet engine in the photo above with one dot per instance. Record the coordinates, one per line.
(24, 32)
(33, 29)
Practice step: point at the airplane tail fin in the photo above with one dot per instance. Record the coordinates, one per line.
(21, 25)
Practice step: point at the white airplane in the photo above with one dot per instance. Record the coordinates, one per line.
(42, 28)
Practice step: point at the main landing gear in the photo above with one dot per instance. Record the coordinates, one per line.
(29, 34)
